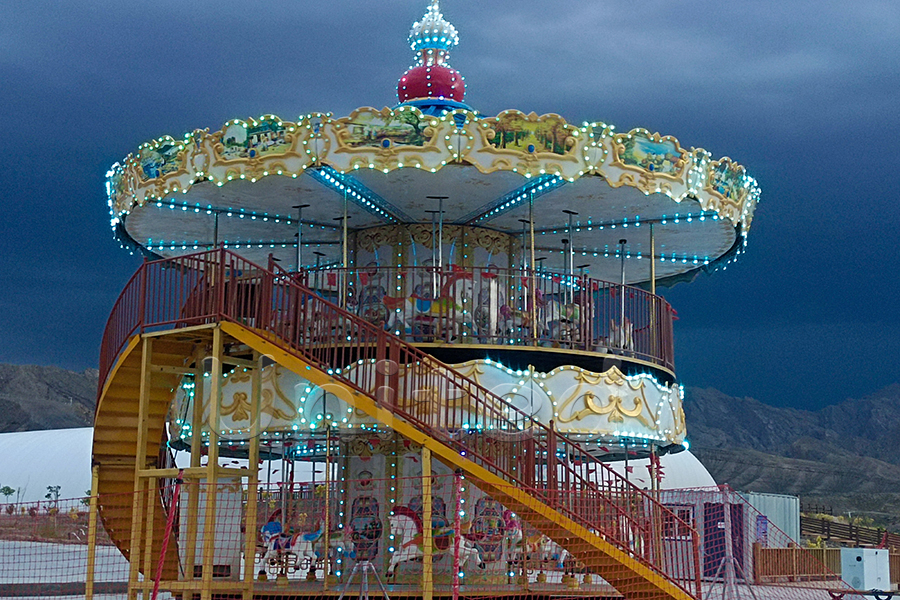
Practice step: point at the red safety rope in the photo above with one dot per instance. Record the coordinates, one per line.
(170, 522)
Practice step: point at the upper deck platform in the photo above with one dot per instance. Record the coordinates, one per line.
(507, 309)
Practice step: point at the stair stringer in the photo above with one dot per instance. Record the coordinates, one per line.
(116, 473)
(626, 574)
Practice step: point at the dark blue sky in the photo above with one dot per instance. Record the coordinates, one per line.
(805, 94)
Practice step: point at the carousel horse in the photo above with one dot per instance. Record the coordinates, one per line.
(514, 537)
(426, 317)
(542, 549)
(563, 320)
(621, 337)
(406, 527)
(303, 550)
(296, 549)
(272, 528)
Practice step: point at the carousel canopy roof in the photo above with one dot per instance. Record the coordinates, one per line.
(242, 185)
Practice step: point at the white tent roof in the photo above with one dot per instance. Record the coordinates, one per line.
(32, 460)
(681, 470)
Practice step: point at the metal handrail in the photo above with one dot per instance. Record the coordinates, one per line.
(219, 285)
(498, 306)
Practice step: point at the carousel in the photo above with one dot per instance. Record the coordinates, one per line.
(396, 351)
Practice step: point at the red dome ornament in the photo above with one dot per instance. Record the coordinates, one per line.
(431, 81)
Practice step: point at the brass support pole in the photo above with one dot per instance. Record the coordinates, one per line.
(327, 530)
(251, 522)
(534, 308)
(138, 523)
(212, 466)
(92, 534)
(652, 260)
(654, 338)
(345, 255)
(427, 533)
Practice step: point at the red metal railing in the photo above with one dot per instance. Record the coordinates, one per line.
(504, 307)
(441, 402)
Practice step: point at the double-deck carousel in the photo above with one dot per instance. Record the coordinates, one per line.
(402, 347)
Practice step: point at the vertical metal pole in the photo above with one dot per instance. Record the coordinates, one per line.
(570, 262)
(622, 294)
(319, 256)
(212, 466)
(730, 584)
(654, 336)
(457, 532)
(92, 534)
(345, 259)
(327, 530)
(440, 240)
(652, 260)
(534, 307)
(552, 469)
(441, 234)
(252, 513)
(427, 550)
(300, 208)
(434, 243)
(524, 260)
(215, 230)
(526, 301)
(193, 487)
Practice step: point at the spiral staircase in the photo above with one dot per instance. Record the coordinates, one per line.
(172, 312)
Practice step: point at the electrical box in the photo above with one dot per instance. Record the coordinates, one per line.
(866, 569)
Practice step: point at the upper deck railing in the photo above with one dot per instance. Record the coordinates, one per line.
(508, 307)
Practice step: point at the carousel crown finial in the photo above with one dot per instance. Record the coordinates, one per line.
(433, 33)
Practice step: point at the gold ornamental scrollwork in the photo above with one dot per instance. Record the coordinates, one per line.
(473, 370)
(239, 409)
(371, 240)
(615, 406)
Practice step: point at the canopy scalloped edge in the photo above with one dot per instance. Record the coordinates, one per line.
(403, 137)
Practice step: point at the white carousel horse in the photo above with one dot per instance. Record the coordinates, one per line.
(542, 549)
(297, 550)
(406, 528)
(621, 337)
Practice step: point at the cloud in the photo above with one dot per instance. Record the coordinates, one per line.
(803, 93)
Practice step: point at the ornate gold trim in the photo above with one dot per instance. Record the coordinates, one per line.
(319, 139)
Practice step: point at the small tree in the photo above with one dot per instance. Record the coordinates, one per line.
(7, 491)
(53, 493)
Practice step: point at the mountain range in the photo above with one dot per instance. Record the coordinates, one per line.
(34, 398)
(843, 456)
